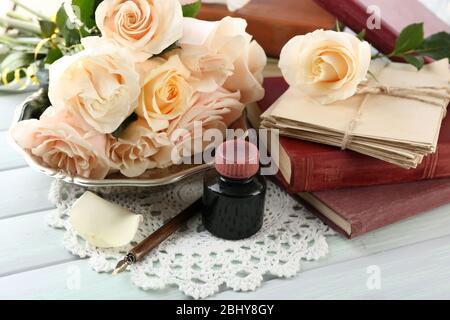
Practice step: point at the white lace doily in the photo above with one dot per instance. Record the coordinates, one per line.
(192, 259)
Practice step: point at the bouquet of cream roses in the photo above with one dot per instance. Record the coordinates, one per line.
(118, 105)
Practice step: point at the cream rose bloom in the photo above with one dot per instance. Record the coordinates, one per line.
(216, 110)
(144, 27)
(222, 53)
(165, 91)
(210, 49)
(220, 105)
(326, 65)
(99, 84)
(248, 73)
(62, 140)
(139, 149)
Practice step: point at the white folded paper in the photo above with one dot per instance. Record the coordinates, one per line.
(399, 123)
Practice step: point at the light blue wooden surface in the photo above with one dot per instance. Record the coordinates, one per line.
(413, 256)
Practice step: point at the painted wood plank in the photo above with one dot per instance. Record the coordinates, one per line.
(29, 243)
(10, 158)
(8, 104)
(418, 229)
(75, 280)
(430, 225)
(420, 271)
(23, 190)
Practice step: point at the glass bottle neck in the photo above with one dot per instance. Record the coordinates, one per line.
(235, 181)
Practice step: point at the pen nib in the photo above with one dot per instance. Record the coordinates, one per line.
(121, 266)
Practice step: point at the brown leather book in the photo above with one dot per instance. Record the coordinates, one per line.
(307, 166)
(275, 22)
(354, 212)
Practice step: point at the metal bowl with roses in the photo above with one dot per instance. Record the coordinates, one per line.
(130, 85)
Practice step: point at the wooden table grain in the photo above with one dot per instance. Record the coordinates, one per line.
(412, 258)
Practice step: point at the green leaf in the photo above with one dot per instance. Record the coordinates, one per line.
(47, 28)
(416, 61)
(16, 60)
(437, 46)
(85, 11)
(10, 76)
(409, 39)
(61, 18)
(53, 55)
(338, 26)
(67, 29)
(191, 10)
(362, 35)
(132, 118)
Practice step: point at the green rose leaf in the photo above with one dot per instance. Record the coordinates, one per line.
(85, 11)
(47, 28)
(416, 61)
(362, 35)
(409, 39)
(53, 55)
(191, 10)
(436, 46)
(132, 118)
(67, 29)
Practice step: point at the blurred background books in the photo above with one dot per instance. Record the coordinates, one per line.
(273, 22)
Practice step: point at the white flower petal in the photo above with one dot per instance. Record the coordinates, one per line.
(102, 223)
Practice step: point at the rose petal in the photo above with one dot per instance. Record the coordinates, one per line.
(102, 223)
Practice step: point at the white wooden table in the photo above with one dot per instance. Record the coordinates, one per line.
(412, 257)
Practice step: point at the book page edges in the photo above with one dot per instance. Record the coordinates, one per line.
(285, 164)
(329, 213)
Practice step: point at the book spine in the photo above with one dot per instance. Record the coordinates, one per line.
(341, 170)
(402, 209)
(355, 15)
(441, 168)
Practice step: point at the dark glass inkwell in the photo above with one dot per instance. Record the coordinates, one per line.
(234, 194)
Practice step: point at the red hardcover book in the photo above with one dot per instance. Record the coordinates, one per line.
(395, 15)
(354, 212)
(307, 166)
(310, 167)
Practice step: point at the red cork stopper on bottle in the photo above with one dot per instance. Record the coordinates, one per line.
(237, 159)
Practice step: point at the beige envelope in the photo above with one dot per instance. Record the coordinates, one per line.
(392, 128)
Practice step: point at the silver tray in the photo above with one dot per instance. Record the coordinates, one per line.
(151, 178)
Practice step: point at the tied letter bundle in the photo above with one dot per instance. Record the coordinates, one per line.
(390, 111)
